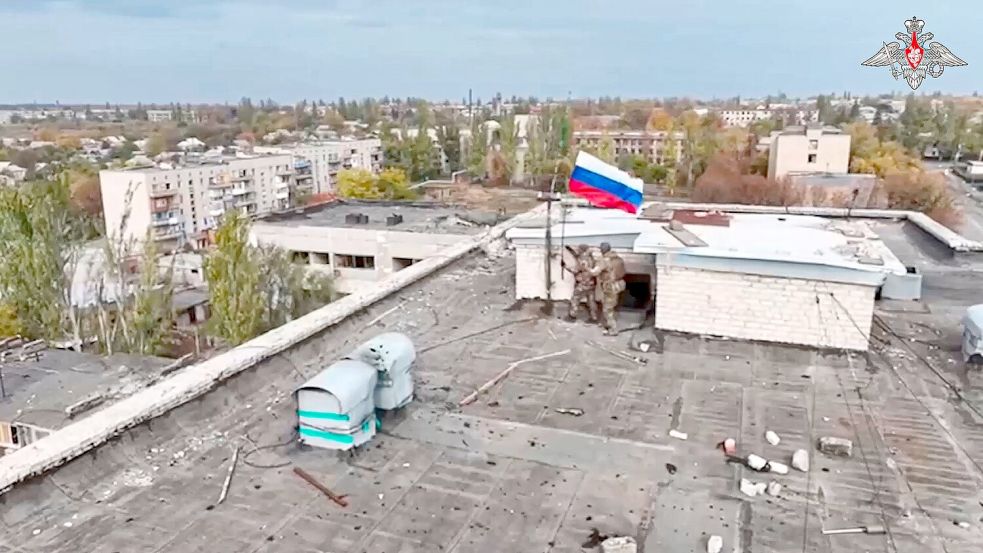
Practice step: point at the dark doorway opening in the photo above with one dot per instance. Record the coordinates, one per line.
(638, 292)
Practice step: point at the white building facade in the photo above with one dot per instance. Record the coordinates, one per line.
(318, 163)
(809, 150)
(179, 205)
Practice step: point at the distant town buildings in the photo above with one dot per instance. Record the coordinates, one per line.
(809, 150)
(178, 205)
(318, 163)
(649, 145)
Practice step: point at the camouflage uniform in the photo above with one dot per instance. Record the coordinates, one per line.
(584, 283)
(608, 288)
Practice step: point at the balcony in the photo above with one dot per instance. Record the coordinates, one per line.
(168, 232)
(221, 181)
(173, 219)
(282, 194)
(160, 192)
(162, 205)
(237, 191)
(241, 178)
(284, 172)
(216, 211)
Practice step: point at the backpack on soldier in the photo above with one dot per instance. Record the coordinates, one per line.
(617, 267)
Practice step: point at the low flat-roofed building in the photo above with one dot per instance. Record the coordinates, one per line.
(362, 242)
(722, 274)
(45, 390)
(808, 149)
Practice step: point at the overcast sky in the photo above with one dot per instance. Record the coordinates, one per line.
(220, 50)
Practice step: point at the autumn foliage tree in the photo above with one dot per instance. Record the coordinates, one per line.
(728, 179)
(390, 184)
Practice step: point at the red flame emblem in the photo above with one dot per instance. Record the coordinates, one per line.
(914, 53)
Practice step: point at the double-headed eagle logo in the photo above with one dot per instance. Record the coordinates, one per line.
(914, 62)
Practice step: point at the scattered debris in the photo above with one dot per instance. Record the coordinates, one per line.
(644, 347)
(619, 354)
(825, 419)
(856, 530)
(836, 446)
(622, 544)
(372, 323)
(228, 477)
(339, 499)
(774, 488)
(501, 376)
(575, 411)
(752, 489)
(594, 539)
(729, 446)
(678, 435)
(36, 531)
(800, 460)
(772, 438)
(962, 524)
(715, 544)
(671, 468)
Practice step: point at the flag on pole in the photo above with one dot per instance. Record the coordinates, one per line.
(604, 185)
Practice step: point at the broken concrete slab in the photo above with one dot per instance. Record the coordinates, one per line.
(840, 447)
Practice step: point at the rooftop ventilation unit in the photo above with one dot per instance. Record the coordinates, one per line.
(356, 219)
(394, 220)
(392, 355)
(335, 409)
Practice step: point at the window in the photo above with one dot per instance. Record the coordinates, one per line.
(812, 158)
(319, 258)
(300, 257)
(813, 144)
(354, 261)
(400, 263)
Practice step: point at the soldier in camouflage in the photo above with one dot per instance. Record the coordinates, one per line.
(584, 283)
(608, 269)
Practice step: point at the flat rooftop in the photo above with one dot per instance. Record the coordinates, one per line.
(851, 244)
(510, 473)
(38, 391)
(417, 217)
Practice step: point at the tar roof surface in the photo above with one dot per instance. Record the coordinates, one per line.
(39, 391)
(508, 473)
(417, 217)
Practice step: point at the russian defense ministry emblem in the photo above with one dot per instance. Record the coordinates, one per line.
(912, 59)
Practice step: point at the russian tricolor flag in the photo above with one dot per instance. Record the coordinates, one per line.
(604, 185)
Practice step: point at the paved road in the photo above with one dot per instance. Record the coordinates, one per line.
(969, 199)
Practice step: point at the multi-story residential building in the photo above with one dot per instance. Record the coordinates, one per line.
(178, 205)
(809, 150)
(650, 145)
(158, 115)
(318, 163)
(743, 117)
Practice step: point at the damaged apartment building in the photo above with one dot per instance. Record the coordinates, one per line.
(777, 277)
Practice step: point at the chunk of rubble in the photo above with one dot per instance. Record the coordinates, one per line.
(777, 468)
(800, 460)
(678, 435)
(715, 544)
(621, 544)
(774, 488)
(752, 489)
(840, 447)
(772, 438)
(756, 462)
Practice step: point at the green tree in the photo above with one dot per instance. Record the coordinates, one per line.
(40, 241)
(477, 150)
(234, 282)
(450, 140)
(10, 324)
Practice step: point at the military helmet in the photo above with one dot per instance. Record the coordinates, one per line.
(605, 247)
